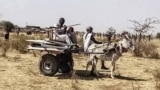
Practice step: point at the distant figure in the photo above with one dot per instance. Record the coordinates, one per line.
(17, 31)
(29, 33)
(6, 37)
(149, 37)
(109, 35)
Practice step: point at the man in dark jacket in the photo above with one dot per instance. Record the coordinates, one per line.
(72, 35)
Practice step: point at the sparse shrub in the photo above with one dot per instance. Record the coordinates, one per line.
(149, 49)
(158, 35)
(155, 55)
(1, 34)
(135, 86)
(80, 41)
(41, 36)
(5, 47)
(20, 43)
(156, 75)
(139, 50)
(1, 43)
(146, 49)
(75, 82)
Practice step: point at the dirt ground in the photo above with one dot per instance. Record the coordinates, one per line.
(21, 72)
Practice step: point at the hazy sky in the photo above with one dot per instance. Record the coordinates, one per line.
(101, 14)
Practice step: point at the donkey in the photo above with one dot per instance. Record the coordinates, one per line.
(111, 54)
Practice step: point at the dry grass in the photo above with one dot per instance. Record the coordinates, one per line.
(147, 49)
(156, 75)
(135, 86)
(1, 34)
(20, 71)
(19, 43)
(5, 45)
(74, 82)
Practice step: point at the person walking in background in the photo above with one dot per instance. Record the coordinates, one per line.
(7, 29)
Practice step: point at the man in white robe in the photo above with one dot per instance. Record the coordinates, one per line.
(88, 40)
(60, 32)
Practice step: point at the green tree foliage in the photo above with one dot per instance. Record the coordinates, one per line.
(7, 24)
(158, 35)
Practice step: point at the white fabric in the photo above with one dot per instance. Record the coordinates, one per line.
(87, 41)
(125, 43)
(55, 25)
(93, 47)
(63, 37)
(55, 32)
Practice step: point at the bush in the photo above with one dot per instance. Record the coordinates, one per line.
(7, 24)
(19, 43)
(146, 49)
(158, 35)
(5, 47)
(1, 34)
(139, 50)
(80, 41)
(156, 75)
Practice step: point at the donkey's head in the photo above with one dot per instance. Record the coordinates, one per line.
(127, 44)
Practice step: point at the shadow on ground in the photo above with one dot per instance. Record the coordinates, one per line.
(80, 74)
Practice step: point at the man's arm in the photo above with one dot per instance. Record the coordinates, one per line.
(94, 40)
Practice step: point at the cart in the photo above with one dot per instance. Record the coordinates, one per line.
(58, 57)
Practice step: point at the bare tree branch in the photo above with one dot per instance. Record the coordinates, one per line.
(146, 26)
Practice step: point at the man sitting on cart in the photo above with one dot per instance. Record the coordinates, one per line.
(60, 32)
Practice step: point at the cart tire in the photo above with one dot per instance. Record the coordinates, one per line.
(48, 65)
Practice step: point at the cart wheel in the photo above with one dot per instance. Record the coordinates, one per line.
(48, 65)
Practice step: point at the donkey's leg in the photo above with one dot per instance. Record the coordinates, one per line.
(87, 68)
(113, 67)
(94, 67)
(88, 64)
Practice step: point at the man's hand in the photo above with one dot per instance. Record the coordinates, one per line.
(65, 27)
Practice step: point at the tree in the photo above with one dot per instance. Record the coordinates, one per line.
(142, 28)
(7, 24)
(158, 35)
(7, 27)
